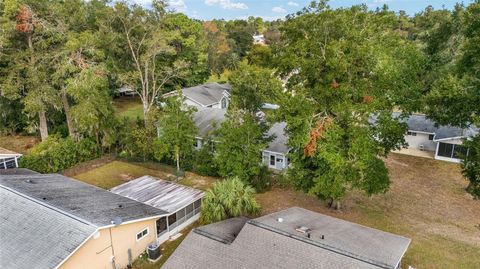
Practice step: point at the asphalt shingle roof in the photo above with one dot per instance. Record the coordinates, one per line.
(85, 201)
(165, 195)
(208, 120)
(33, 235)
(279, 143)
(420, 123)
(206, 94)
(267, 243)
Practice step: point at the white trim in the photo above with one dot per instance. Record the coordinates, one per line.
(10, 155)
(133, 221)
(268, 151)
(448, 138)
(142, 235)
(420, 132)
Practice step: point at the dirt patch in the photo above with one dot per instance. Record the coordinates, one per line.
(17, 143)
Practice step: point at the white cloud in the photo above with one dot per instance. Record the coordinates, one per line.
(279, 10)
(227, 4)
(178, 5)
(293, 4)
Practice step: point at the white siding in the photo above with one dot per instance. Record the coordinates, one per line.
(416, 142)
(274, 160)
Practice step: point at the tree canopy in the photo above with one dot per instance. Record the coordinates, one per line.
(345, 67)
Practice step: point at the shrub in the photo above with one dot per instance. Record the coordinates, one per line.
(205, 164)
(227, 199)
(56, 154)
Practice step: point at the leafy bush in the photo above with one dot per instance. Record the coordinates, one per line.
(227, 199)
(57, 154)
(205, 164)
(471, 166)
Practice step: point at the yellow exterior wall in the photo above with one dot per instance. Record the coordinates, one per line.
(97, 253)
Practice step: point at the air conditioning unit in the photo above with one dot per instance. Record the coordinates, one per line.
(421, 147)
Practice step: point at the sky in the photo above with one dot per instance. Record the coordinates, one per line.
(275, 9)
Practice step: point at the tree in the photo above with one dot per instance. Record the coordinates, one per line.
(454, 93)
(471, 166)
(218, 49)
(177, 131)
(240, 143)
(150, 51)
(344, 66)
(27, 76)
(228, 199)
(252, 87)
(260, 55)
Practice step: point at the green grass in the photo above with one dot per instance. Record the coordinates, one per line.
(117, 172)
(128, 106)
(114, 173)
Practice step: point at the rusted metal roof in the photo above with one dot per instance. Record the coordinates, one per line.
(162, 194)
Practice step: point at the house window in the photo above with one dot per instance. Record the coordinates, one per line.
(272, 160)
(172, 219)
(142, 234)
(445, 150)
(161, 225)
(224, 103)
(459, 151)
(411, 133)
(180, 213)
(430, 137)
(198, 203)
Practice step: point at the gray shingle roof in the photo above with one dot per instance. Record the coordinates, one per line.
(279, 143)
(208, 120)
(85, 201)
(267, 243)
(165, 195)
(33, 235)
(224, 231)
(17, 171)
(206, 94)
(420, 123)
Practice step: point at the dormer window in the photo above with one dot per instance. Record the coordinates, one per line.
(224, 103)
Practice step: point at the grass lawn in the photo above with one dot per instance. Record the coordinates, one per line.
(128, 106)
(18, 143)
(426, 202)
(112, 173)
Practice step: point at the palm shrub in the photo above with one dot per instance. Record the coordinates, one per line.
(227, 199)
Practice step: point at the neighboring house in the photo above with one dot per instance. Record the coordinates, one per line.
(259, 40)
(292, 238)
(274, 156)
(182, 203)
(8, 158)
(52, 221)
(125, 90)
(209, 95)
(444, 142)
